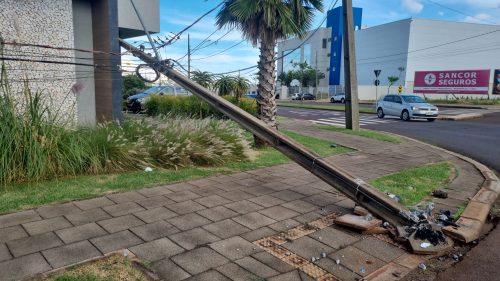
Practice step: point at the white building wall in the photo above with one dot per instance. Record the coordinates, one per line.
(482, 52)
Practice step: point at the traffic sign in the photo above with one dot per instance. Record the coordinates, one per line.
(376, 82)
(400, 89)
(377, 72)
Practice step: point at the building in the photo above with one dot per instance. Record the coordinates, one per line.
(87, 88)
(401, 48)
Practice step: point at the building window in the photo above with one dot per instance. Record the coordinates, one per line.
(334, 54)
(335, 38)
(333, 69)
(324, 43)
(328, 55)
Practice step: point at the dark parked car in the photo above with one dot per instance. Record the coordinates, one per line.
(308, 96)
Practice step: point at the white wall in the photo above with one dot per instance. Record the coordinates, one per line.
(472, 54)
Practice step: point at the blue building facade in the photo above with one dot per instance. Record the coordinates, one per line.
(334, 21)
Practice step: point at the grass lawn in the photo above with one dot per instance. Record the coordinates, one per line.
(363, 133)
(28, 195)
(112, 268)
(324, 106)
(414, 185)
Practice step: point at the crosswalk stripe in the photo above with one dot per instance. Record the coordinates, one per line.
(360, 120)
(329, 123)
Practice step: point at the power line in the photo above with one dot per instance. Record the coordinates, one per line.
(52, 62)
(459, 12)
(223, 51)
(291, 51)
(176, 36)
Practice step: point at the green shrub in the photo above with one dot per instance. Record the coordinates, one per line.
(36, 145)
(191, 106)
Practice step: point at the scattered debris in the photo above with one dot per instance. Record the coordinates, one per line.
(148, 169)
(360, 211)
(394, 197)
(422, 266)
(337, 261)
(427, 232)
(369, 217)
(369, 262)
(358, 222)
(333, 145)
(323, 255)
(396, 274)
(425, 245)
(313, 259)
(376, 230)
(362, 270)
(455, 257)
(439, 193)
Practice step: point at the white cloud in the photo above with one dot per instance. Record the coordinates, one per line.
(479, 18)
(413, 6)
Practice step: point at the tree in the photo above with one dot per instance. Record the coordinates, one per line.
(286, 78)
(225, 85)
(204, 78)
(263, 22)
(132, 85)
(392, 80)
(241, 86)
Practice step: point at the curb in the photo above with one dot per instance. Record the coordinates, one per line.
(476, 212)
(459, 117)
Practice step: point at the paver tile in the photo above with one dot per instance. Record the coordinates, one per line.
(155, 214)
(94, 203)
(188, 221)
(154, 191)
(258, 190)
(235, 248)
(33, 244)
(236, 273)
(256, 267)
(254, 220)
(289, 276)
(207, 191)
(157, 249)
(12, 233)
(180, 186)
(126, 197)
(192, 238)
(123, 209)
(379, 249)
(47, 225)
(155, 230)
(273, 262)
(57, 210)
(185, 207)
(88, 216)
(212, 201)
(356, 260)
(181, 196)
(258, 233)
(155, 202)
(210, 275)
(307, 247)
(323, 199)
(279, 213)
(169, 271)
(300, 206)
(79, 233)
(218, 213)
(70, 254)
(266, 201)
(203, 182)
(4, 253)
(120, 223)
(226, 228)
(18, 218)
(199, 260)
(116, 241)
(243, 207)
(334, 238)
(19, 268)
(284, 225)
(307, 217)
(236, 195)
(338, 270)
(288, 195)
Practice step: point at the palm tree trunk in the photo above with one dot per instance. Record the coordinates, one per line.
(266, 103)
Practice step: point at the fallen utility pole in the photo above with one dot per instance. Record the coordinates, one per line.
(362, 193)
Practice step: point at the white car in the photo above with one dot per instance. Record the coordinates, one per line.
(406, 107)
(339, 97)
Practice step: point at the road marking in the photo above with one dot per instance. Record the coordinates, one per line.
(363, 121)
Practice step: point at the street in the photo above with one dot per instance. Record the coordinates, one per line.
(477, 138)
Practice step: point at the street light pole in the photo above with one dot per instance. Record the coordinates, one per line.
(350, 78)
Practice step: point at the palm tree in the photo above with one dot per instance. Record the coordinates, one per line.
(264, 22)
(241, 86)
(225, 85)
(392, 80)
(204, 78)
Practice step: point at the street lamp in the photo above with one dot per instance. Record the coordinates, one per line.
(377, 82)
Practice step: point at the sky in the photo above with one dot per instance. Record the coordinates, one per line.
(176, 15)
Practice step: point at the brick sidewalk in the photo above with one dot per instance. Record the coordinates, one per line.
(204, 229)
